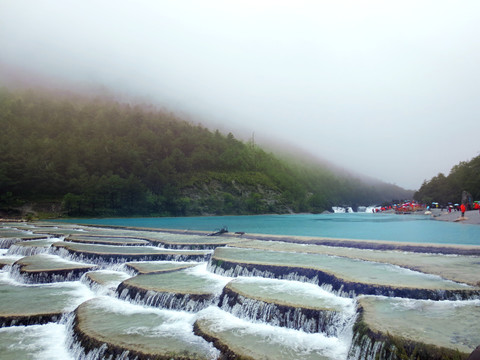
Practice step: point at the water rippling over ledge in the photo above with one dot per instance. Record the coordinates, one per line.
(232, 296)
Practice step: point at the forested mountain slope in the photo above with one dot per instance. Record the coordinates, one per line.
(99, 157)
(444, 189)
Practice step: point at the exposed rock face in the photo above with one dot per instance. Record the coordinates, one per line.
(475, 355)
(37, 269)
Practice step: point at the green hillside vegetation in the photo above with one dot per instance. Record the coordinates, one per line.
(444, 189)
(102, 158)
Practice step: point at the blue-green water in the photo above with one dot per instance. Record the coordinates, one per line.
(387, 227)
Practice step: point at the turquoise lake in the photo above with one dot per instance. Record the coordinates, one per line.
(367, 226)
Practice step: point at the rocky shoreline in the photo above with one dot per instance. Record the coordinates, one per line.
(471, 216)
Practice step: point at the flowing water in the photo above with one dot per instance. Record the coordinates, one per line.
(191, 296)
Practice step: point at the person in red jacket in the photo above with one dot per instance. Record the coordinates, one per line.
(462, 209)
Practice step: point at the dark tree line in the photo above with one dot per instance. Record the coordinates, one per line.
(444, 189)
(100, 157)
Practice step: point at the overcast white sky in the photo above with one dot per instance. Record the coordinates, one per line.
(386, 88)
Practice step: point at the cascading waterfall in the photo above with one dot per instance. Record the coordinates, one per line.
(75, 346)
(6, 243)
(331, 323)
(45, 277)
(239, 270)
(107, 261)
(30, 249)
(27, 250)
(166, 300)
(364, 348)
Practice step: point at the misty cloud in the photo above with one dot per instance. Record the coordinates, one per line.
(388, 89)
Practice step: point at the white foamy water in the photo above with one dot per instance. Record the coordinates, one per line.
(300, 289)
(162, 325)
(342, 210)
(78, 292)
(36, 342)
(283, 342)
(126, 308)
(11, 257)
(108, 281)
(202, 271)
(55, 259)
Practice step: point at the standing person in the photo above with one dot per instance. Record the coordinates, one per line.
(462, 209)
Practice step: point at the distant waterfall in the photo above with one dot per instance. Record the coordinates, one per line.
(342, 210)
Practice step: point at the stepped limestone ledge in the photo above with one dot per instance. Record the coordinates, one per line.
(240, 339)
(192, 242)
(176, 290)
(35, 304)
(157, 267)
(348, 277)
(7, 242)
(31, 247)
(392, 328)
(460, 268)
(310, 240)
(107, 240)
(178, 239)
(133, 332)
(104, 281)
(288, 304)
(446, 249)
(29, 318)
(46, 268)
(101, 254)
(8, 260)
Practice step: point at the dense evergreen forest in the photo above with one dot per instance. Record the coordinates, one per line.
(97, 157)
(444, 189)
